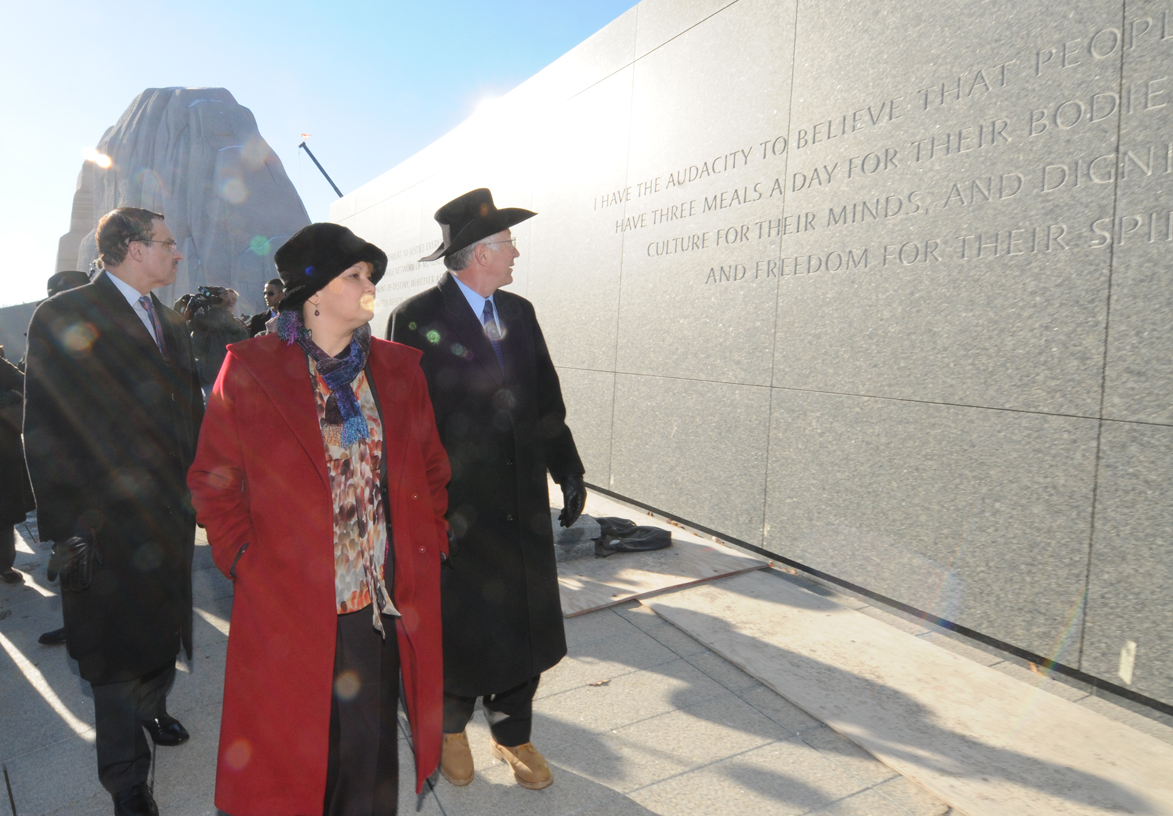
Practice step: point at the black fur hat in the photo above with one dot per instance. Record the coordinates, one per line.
(465, 220)
(316, 255)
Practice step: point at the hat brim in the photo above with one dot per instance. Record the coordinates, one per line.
(480, 228)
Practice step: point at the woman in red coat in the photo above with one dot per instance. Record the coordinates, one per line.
(322, 484)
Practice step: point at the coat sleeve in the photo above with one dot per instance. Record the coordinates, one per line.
(552, 432)
(53, 451)
(217, 481)
(435, 457)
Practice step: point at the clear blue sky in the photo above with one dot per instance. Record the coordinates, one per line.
(372, 82)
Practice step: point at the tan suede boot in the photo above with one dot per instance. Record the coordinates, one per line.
(529, 767)
(456, 759)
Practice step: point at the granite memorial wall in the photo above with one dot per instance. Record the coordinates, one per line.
(883, 289)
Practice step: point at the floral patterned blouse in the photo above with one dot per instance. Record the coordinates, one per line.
(360, 528)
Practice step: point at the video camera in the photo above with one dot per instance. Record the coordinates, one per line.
(207, 297)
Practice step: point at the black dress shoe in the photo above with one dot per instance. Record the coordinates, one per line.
(135, 801)
(166, 730)
(11, 576)
(53, 638)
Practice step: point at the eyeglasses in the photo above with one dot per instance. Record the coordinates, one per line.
(512, 242)
(169, 245)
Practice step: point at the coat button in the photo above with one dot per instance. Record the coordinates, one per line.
(421, 549)
(509, 517)
(415, 495)
(509, 462)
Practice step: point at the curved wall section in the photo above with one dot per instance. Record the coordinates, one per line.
(881, 288)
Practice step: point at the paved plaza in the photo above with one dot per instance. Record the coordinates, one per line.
(639, 719)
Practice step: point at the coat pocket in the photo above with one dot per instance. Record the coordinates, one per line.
(236, 560)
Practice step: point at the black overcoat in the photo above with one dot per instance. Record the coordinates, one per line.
(110, 430)
(16, 495)
(501, 613)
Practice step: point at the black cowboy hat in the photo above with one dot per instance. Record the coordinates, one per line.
(471, 217)
(316, 255)
(68, 279)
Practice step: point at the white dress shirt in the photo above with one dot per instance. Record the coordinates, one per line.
(132, 295)
(478, 305)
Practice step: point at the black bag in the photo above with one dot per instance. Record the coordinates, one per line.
(75, 561)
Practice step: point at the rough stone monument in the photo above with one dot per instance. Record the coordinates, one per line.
(195, 155)
(882, 289)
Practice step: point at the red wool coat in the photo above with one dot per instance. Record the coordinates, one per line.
(260, 487)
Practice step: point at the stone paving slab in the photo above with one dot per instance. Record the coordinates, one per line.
(987, 743)
(628, 721)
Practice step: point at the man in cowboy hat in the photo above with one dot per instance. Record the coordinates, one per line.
(501, 417)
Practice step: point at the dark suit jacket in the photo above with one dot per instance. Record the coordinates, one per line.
(501, 611)
(256, 323)
(110, 430)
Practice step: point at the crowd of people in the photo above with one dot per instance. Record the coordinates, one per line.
(379, 505)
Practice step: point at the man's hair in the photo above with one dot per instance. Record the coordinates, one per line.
(276, 282)
(461, 258)
(121, 226)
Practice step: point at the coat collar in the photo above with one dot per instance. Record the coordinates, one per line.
(281, 370)
(468, 327)
(119, 310)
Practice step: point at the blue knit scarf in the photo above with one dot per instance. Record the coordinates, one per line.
(338, 373)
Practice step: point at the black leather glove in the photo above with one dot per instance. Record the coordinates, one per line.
(573, 500)
(75, 558)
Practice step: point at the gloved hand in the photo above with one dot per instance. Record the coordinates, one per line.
(75, 557)
(573, 500)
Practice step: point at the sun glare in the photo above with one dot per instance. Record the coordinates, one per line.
(100, 159)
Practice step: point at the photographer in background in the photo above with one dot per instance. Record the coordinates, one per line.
(213, 327)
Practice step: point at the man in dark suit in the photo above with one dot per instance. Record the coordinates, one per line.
(112, 411)
(501, 417)
(274, 293)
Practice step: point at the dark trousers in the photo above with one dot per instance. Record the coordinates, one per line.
(7, 547)
(362, 769)
(124, 756)
(510, 713)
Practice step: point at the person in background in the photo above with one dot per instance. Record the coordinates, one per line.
(320, 479)
(274, 291)
(16, 495)
(213, 328)
(64, 281)
(502, 420)
(112, 412)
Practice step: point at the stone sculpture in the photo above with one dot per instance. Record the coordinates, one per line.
(195, 155)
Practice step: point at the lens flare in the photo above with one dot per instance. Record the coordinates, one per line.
(347, 685)
(255, 153)
(260, 245)
(91, 154)
(78, 338)
(237, 755)
(234, 191)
